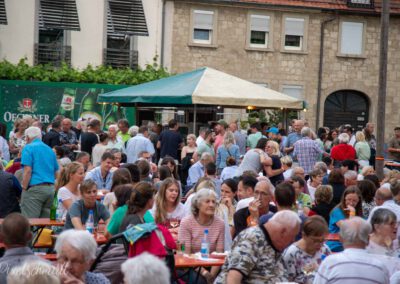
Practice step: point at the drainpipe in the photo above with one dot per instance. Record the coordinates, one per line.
(162, 33)
(320, 70)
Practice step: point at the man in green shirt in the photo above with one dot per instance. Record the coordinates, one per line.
(123, 126)
(255, 135)
(207, 144)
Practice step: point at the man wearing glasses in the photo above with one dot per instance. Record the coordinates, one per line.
(248, 216)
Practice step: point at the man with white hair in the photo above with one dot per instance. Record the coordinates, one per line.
(350, 178)
(40, 170)
(145, 268)
(293, 137)
(343, 151)
(384, 199)
(114, 141)
(255, 253)
(197, 170)
(258, 206)
(76, 251)
(306, 150)
(354, 264)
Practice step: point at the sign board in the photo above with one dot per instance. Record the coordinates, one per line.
(44, 100)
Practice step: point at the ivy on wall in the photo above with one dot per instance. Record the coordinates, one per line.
(65, 73)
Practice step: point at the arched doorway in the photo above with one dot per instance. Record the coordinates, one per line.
(346, 107)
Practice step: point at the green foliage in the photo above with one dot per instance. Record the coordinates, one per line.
(64, 73)
(270, 116)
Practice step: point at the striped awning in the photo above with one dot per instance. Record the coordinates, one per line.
(3, 15)
(126, 17)
(58, 14)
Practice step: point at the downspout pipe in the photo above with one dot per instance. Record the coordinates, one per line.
(162, 34)
(320, 68)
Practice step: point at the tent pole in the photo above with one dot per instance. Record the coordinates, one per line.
(194, 119)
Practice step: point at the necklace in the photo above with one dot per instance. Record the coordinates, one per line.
(207, 224)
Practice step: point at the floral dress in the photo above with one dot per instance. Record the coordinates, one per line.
(301, 266)
(17, 143)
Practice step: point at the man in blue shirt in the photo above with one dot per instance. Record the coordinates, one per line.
(101, 175)
(293, 137)
(39, 174)
(197, 170)
(139, 143)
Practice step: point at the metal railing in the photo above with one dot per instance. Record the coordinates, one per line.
(53, 53)
(120, 58)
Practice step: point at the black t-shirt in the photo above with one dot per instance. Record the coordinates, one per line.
(52, 138)
(170, 141)
(323, 209)
(276, 164)
(88, 141)
(240, 218)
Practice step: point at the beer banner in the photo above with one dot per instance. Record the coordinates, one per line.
(43, 101)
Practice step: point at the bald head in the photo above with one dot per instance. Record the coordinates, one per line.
(66, 124)
(382, 194)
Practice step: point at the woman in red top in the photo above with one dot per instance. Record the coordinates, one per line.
(343, 151)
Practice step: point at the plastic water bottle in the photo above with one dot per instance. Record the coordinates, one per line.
(205, 245)
(60, 211)
(300, 208)
(90, 222)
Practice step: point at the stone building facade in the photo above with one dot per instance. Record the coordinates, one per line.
(351, 76)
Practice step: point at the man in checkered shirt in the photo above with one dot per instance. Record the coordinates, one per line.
(307, 150)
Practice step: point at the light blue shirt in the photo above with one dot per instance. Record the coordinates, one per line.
(291, 139)
(42, 160)
(195, 172)
(101, 183)
(138, 144)
(223, 154)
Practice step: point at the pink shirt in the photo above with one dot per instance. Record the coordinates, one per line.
(219, 139)
(191, 233)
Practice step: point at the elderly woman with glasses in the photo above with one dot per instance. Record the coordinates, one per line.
(302, 258)
(384, 232)
(76, 251)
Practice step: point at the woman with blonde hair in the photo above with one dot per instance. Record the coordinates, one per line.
(187, 156)
(275, 171)
(17, 138)
(363, 151)
(226, 150)
(69, 180)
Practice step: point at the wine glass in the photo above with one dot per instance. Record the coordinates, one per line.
(173, 223)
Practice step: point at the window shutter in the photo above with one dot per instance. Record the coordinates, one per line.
(259, 23)
(352, 38)
(294, 26)
(59, 15)
(294, 91)
(126, 17)
(3, 15)
(203, 20)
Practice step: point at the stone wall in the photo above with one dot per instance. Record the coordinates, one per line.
(278, 67)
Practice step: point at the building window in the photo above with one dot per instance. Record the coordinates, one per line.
(259, 31)
(294, 33)
(351, 38)
(203, 26)
(295, 91)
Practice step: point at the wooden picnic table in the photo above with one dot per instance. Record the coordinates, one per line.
(182, 261)
(333, 237)
(42, 222)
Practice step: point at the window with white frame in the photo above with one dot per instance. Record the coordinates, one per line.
(294, 33)
(295, 91)
(351, 38)
(259, 31)
(203, 22)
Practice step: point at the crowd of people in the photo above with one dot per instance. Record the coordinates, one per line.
(266, 197)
